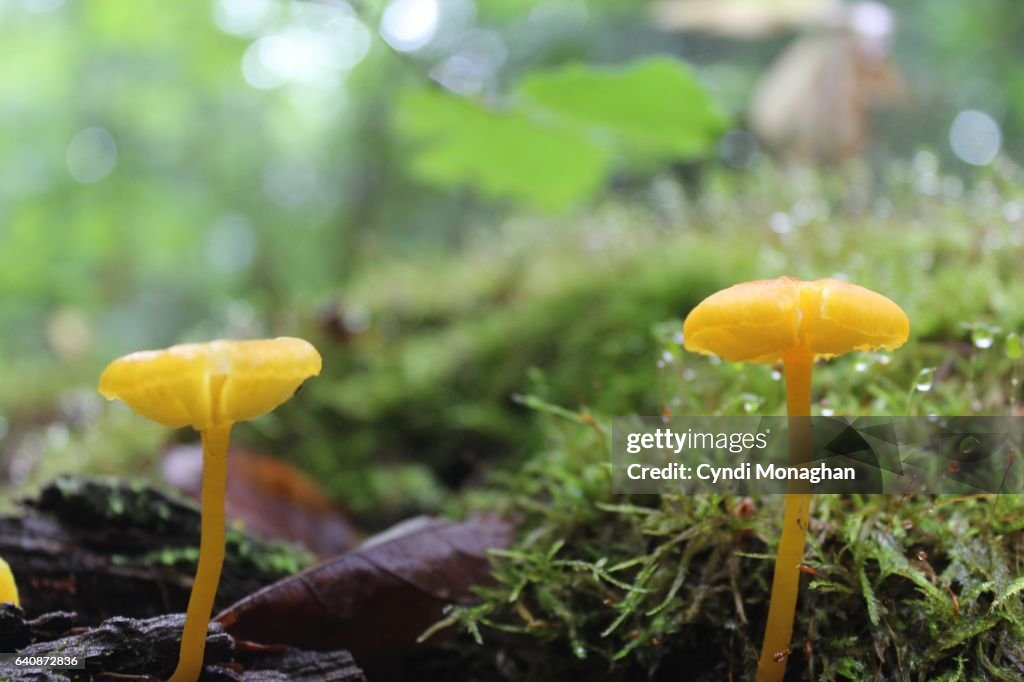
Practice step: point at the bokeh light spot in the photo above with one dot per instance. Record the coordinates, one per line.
(245, 17)
(308, 55)
(975, 137)
(91, 155)
(408, 25)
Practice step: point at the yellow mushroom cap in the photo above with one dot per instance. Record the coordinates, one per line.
(766, 320)
(8, 588)
(203, 384)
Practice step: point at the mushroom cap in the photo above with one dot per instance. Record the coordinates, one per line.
(8, 587)
(767, 320)
(204, 384)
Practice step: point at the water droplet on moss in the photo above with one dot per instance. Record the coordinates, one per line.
(982, 337)
(969, 445)
(925, 379)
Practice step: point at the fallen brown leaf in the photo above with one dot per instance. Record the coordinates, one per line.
(271, 497)
(377, 600)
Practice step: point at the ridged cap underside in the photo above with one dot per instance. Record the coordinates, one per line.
(202, 384)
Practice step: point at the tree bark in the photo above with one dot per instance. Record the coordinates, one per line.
(147, 651)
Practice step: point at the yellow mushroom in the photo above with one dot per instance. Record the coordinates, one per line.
(8, 588)
(793, 322)
(209, 386)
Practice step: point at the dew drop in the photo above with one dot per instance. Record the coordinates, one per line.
(751, 403)
(969, 445)
(827, 412)
(776, 375)
(925, 379)
(1014, 351)
(860, 367)
(982, 337)
(666, 357)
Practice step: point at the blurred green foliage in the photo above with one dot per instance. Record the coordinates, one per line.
(556, 145)
(175, 172)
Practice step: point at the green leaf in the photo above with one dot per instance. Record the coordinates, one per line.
(503, 154)
(554, 144)
(655, 107)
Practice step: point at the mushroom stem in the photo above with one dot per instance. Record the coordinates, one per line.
(211, 553)
(786, 583)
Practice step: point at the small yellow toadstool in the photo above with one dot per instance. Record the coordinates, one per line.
(209, 386)
(8, 588)
(793, 322)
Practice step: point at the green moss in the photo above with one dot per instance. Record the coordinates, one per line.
(579, 311)
(161, 519)
(669, 587)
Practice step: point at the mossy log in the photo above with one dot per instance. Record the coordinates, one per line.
(107, 548)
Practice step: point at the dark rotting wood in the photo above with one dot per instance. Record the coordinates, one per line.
(104, 548)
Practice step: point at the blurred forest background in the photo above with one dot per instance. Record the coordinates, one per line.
(473, 205)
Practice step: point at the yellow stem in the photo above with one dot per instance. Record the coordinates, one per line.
(211, 554)
(786, 583)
